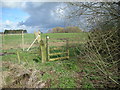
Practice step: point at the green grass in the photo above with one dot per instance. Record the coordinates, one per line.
(63, 70)
(30, 37)
(60, 73)
(72, 36)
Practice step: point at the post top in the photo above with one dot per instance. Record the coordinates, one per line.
(47, 37)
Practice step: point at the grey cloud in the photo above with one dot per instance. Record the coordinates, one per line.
(43, 15)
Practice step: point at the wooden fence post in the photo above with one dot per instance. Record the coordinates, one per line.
(43, 51)
(23, 40)
(39, 39)
(18, 56)
(47, 48)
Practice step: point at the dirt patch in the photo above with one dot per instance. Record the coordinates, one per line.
(18, 76)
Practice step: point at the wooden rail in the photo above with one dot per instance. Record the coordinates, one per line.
(52, 54)
(59, 58)
(60, 53)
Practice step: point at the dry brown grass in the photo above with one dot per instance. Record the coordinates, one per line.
(18, 76)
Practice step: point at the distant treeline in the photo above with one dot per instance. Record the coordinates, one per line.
(65, 30)
(14, 31)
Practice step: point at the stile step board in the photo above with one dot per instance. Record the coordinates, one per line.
(57, 53)
(66, 57)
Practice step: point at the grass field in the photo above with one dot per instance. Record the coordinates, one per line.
(20, 67)
(15, 41)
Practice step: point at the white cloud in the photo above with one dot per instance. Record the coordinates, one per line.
(9, 25)
(7, 22)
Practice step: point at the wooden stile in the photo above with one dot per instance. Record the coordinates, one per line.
(45, 51)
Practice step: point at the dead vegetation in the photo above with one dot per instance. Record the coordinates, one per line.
(18, 76)
(103, 50)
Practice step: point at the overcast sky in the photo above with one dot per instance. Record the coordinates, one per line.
(32, 15)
